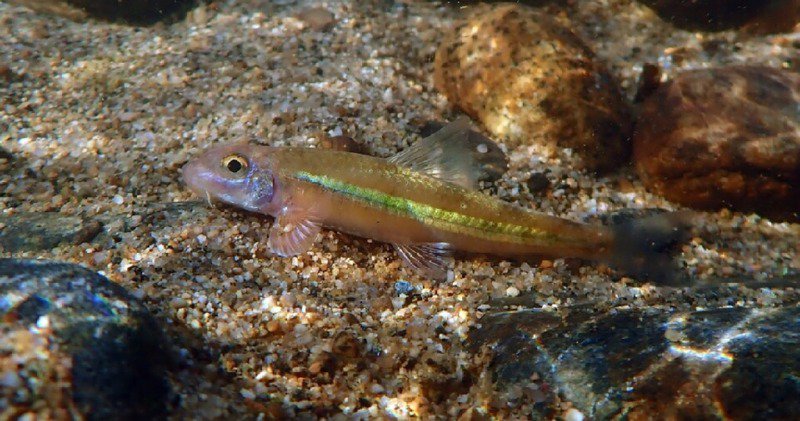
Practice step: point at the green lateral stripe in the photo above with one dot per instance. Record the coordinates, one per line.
(438, 218)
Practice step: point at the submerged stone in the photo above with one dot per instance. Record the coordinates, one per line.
(107, 354)
(529, 79)
(724, 138)
(738, 363)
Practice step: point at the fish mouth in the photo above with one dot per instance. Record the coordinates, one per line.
(193, 178)
(192, 175)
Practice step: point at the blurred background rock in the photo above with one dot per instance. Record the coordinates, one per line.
(134, 12)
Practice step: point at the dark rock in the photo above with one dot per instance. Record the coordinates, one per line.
(31, 231)
(730, 362)
(528, 78)
(537, 182)
(763, 379)
(493, 161)
(724, 137)
(714, 15)
(116, 352)
(137, 12)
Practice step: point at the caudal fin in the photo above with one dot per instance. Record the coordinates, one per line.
(645, 247)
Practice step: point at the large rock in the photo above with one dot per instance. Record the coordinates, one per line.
(733, 363)
(724, 137)
(138, 12)
(528, 78)
(714, 15)
(86, 344)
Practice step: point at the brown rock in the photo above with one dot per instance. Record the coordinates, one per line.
(528, 78)
(724, 137)
(714, 15)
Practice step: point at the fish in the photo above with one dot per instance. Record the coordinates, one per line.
(424, 200)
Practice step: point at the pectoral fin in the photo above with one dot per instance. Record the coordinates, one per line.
(455, 154)
(427, 259)
(291, 235)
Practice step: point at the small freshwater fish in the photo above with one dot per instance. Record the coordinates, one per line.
(424, 201)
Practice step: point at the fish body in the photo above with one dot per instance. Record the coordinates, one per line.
(424, 201)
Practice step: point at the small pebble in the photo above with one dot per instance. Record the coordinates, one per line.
(403, 287)
(317, 18)
(537, 182)
(10, 380)
(573, 414)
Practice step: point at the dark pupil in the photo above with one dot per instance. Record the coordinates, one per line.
(234, 165)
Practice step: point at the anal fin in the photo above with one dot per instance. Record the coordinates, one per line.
(427, 259)
(291, 235)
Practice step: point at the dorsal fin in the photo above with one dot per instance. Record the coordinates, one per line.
(455, 154)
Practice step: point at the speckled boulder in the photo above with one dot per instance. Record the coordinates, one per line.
(73, 342)
(725, 137)
(714, 15)
(138, 12)
(528, 78)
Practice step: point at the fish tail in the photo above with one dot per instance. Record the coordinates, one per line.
(645, 247)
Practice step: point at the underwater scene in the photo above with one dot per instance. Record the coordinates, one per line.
(399, 209)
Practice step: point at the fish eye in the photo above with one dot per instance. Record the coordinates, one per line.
(236, 164)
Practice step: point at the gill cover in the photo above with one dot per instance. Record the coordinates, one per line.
(262, 188)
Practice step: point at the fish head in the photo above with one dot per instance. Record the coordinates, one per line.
(238, 174)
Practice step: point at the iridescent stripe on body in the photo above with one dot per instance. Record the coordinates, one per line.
(434, 217)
